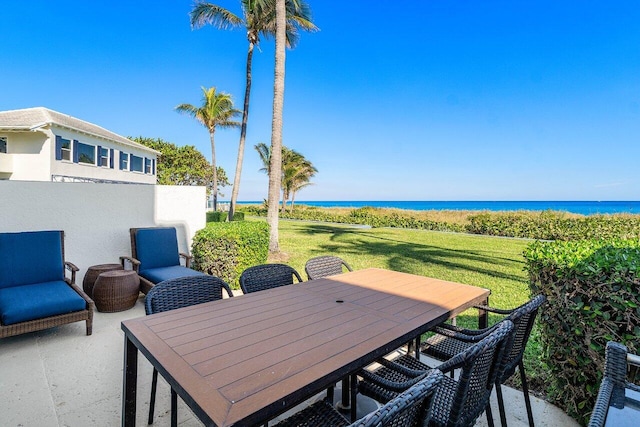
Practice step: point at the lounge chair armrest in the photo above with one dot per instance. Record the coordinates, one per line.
(492, 309)
(84, 296)
(135, 264)
(73, 269)
(187, 259)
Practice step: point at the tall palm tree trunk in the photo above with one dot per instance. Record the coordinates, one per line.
(215, 172)
(243, 135)
(275, 173)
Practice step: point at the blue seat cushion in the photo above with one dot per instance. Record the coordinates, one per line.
(157, 247)
(157, 275)
(37, 301)
(30, 257)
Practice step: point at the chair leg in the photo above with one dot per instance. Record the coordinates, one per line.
(152, 400)
(525, 390)
(174, 408)
(489, 415)
(503, 415)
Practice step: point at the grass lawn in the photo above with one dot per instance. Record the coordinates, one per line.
(494, 263)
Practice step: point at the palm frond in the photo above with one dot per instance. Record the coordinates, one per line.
(207, 13)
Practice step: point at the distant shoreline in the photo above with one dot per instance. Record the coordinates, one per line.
(577, 207)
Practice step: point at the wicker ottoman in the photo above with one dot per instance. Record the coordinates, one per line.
(116, 290)
(92, 274)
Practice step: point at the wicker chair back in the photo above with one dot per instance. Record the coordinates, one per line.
(267, 276)
(184, 292)
(323, 266)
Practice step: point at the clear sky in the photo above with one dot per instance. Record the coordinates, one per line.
(391, 100)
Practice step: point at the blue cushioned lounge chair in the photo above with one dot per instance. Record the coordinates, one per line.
(35, 293)
(155, 256)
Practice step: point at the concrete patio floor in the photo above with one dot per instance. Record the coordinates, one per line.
(61, 377)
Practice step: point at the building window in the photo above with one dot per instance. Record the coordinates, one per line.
(147, 166)
(124, 161)
(3, 144)
(104, 157)
(86, 153)
(136, 163)
(65, 149)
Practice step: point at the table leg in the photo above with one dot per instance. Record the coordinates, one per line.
(483, 316)
(344, 405)
(130, 380)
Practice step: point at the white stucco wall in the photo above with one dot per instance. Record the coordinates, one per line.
(30, 152)
(96, 217)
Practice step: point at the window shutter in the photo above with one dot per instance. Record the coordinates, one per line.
(58, 147)
(99, 156)
(111, 153)
(75, 151)
(153, 166)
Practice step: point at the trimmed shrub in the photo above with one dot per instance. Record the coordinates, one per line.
(593, 289)
(226, 249)
(551, 225)
(219, 216)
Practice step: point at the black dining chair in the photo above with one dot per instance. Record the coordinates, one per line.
(457, 402)
(267, 276)
(411, 408)
(178, 293)
(450, 340)
(325, 265)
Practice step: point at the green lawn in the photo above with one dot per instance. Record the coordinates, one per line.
(495, 263)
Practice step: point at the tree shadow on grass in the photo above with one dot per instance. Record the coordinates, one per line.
(403, 255)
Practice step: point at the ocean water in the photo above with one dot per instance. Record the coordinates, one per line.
(579, 207)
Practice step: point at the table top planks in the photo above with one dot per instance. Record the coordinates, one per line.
(246, 359)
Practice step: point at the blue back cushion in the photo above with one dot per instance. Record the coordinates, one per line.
(30, 257)
(157, 247)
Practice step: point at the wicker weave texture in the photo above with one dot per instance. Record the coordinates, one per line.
(412, 408)
(267, 276)
(456, 402)
(184, 292)
(90, 277)
(323, 266)
(116, 290)
(614, 382)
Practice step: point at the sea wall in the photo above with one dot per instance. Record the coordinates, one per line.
(96, 217)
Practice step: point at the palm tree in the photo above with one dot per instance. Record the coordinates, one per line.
(275, 167)
(216, 111)
(299, 177)
(258, 19)
(296, 171)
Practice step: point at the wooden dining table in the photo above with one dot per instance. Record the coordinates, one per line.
(245, 360)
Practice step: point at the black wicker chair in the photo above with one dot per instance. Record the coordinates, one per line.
(456, 402)
(411, 408)
(267, 276)
(451, 340)
(323, 266)
(177, 293)
(614, 384)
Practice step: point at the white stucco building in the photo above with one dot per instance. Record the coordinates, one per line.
(38, 144)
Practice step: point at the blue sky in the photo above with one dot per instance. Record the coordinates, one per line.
(402, 100)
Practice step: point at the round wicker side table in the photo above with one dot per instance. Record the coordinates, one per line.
(116, 290)
(92, 274)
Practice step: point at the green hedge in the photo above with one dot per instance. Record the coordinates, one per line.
(373, 217)
(219, 216)
(225, 249)
(550, 225)
(593, 289)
